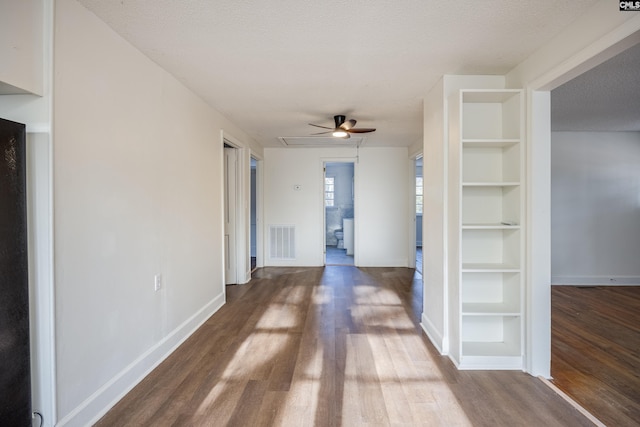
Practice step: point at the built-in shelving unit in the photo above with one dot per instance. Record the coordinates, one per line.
(486, 215)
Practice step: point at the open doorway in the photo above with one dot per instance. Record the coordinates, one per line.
(338, 208)
(595, 238)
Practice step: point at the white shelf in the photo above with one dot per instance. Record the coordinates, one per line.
(491, 309)
(491, 184)
(490, 227)
(488, 288)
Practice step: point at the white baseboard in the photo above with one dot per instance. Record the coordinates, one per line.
(596, 280)
(96, 405)
(436, 338)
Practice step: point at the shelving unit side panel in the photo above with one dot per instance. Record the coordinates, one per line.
(512, 118)
(511, 247)
(511, 170)
(454, 195)
(511, 205)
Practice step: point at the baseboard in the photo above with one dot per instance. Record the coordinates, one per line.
(596, 280)
(96, 405)
(436, 338)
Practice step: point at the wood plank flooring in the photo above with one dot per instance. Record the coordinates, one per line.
(333, 346)
(596, 350)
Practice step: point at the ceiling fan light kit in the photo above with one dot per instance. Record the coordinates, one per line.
(343, 127)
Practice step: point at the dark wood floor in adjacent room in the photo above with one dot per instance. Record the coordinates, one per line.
(333, 346)
(596, 350)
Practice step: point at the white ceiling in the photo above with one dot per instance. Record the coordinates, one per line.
(273, 66)
(605, 98)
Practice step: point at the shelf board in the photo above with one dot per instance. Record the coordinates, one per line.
(490, 227)
(491, 184)
(489, 142)
(489, 268)
(489, 309)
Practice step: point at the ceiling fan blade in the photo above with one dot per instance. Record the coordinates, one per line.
(318, 126)
(322, 133)
(361, 130)
(348, 124)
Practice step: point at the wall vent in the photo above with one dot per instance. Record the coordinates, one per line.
(282, 242)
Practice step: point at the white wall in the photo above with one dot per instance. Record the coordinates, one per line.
(434, 249)
(383, 206)
(22, 46)
(25, 47)
(137, 192)
(595, 207)
(382, 199)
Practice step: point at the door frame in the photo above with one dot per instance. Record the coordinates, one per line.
(259, 203)
(230, 205)
(323, 165)
(538, 266)
(242, 252)
(414, 218)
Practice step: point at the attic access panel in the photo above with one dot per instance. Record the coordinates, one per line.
(320, 141)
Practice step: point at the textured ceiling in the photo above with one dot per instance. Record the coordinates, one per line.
(605, 98)
(272, 66)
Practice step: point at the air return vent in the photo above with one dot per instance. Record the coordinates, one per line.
(282, 242)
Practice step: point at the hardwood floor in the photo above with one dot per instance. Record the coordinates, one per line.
(596, 350)
(333, 346)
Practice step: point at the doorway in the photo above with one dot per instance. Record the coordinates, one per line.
(338, 206)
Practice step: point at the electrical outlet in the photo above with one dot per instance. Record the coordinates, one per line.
(157, 282)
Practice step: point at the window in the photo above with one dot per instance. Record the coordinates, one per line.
(419, 195)
(329, 190)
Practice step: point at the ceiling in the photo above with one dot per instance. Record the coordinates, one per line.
(274, 66)
(605, 98)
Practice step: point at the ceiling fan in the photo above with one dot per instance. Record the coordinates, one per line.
(343, 128)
